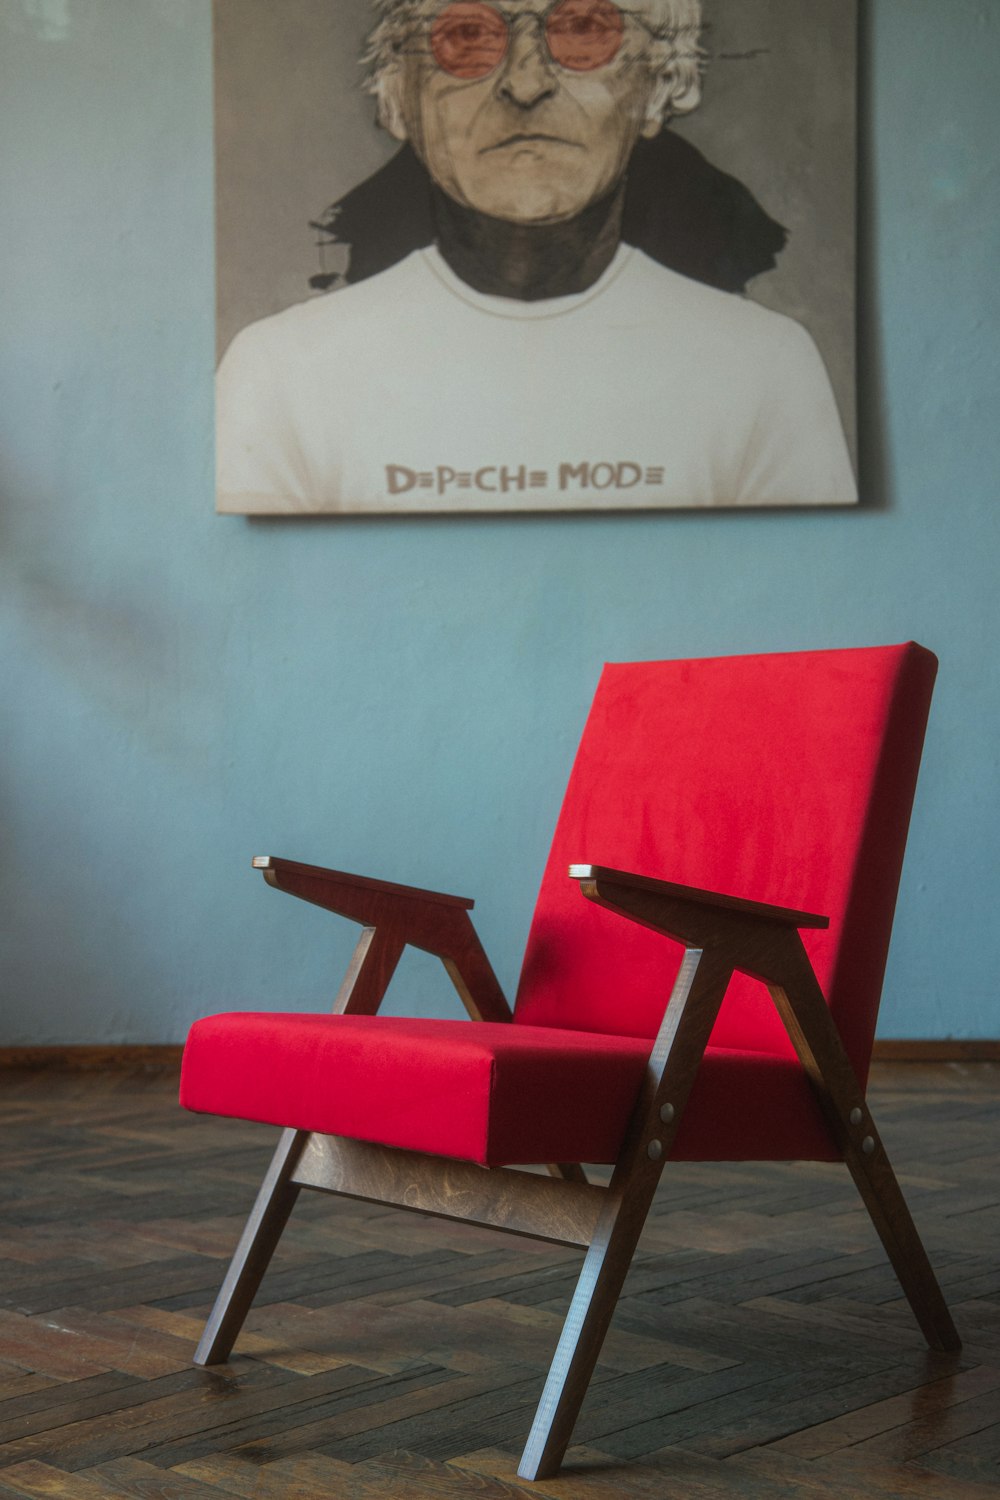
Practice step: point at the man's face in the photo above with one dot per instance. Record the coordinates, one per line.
(526, 112)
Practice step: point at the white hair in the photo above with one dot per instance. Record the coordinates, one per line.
(675, 54)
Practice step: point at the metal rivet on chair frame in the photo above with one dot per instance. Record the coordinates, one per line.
(868, 1145)
(857, 1115)
(654, 1150)
(667, 1113)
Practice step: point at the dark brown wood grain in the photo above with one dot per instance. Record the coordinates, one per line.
(683, 1036)
(811, 1027)
(275, 1201)
(752, 937)
(371, 967)
(722, 934)
(765, 943)
(339, 886)
(394, 916)
(604, 877)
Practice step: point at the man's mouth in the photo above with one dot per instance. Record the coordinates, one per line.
(527, 138)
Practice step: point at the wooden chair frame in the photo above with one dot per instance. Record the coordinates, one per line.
(721, 934)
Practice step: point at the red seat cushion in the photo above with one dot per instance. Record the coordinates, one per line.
(486, 1092)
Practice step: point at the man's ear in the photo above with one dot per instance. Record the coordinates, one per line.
(677, 91)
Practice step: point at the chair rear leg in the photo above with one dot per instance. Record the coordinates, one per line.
(883, 1198)
(817, 1041)
(261, 1234)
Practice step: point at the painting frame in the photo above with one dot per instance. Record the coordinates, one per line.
(301, 162)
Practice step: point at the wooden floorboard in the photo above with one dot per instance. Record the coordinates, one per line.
(762, 1347)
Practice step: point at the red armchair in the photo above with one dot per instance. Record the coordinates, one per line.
(719, 1019)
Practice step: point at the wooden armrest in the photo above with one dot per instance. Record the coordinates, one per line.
(761, 909)
(362, 882)
(396, 915)
(752, 935)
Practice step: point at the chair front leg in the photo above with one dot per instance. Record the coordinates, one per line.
(673, 1064)
(261, 1234)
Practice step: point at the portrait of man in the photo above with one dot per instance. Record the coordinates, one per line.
(543, 303)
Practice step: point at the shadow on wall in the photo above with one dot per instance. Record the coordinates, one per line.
(47, 20)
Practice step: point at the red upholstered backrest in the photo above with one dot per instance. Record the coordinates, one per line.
(785, 778)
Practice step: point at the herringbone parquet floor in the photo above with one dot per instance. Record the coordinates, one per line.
(761, 1350)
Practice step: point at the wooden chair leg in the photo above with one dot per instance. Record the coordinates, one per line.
(590, 1312)
(694, 1004)
(261, 1234)
(883, 1198)
(811, 1027)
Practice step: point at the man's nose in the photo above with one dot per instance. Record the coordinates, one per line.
(528, 75)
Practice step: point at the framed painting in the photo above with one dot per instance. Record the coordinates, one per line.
(534, 255)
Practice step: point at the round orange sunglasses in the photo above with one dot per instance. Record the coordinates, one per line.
(469, 38)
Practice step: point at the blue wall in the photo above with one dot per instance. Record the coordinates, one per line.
(402, 697)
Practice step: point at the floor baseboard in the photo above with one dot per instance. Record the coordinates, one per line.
(86, 1059)
(932, 1051)
(91, 1059)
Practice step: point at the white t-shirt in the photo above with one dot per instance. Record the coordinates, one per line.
(411, 391)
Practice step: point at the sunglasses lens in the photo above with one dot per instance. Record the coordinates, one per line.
(468, 39)
(584, 34)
